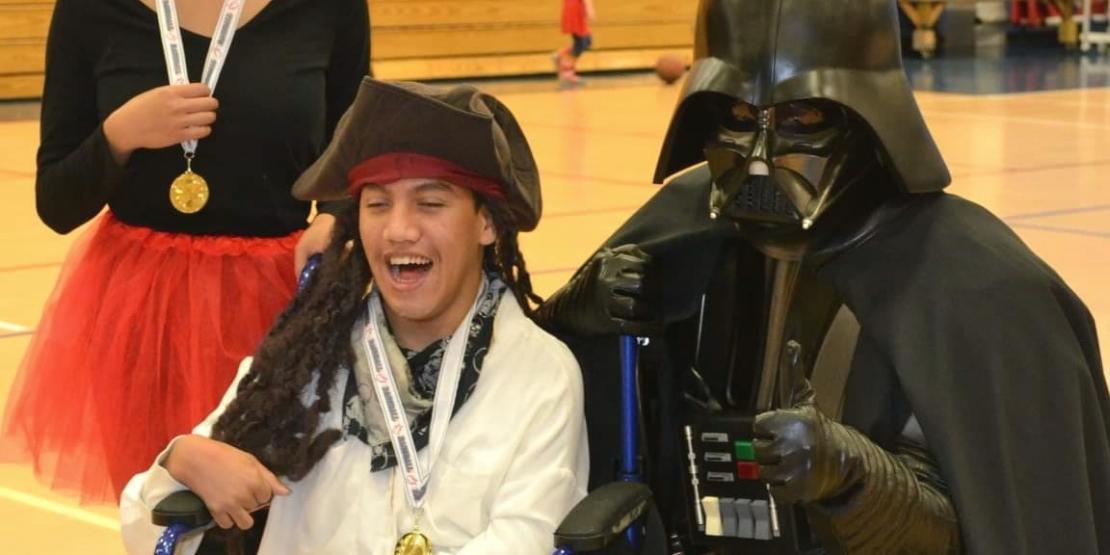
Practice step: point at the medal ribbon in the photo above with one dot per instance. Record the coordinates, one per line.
(385, 386)
(174, 51)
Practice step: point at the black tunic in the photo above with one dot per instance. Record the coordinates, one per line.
(291, 72)
(962, 326)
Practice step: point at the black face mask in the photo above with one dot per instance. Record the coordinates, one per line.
(778, 169)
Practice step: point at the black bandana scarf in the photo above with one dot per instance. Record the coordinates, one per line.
(424, 368)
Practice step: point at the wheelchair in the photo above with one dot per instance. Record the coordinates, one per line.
(720, 507)
(612, 519)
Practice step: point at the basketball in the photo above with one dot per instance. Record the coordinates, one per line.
(670, 68)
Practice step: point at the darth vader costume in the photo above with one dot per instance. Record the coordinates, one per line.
(905, 373)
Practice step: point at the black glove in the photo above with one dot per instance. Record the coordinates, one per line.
(609, 295)
(801, 454)
(859, 497)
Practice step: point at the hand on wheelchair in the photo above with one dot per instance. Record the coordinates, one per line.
(231, 483)
(609, 295)
(805, 456)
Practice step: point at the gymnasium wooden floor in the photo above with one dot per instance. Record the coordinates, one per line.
(1037, 159)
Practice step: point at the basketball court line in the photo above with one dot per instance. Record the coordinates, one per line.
(607, 131)
(1047, 93)
(15, 174)
(14, 330)
(602, 180)
(551, 271)
(30, 267)
(61, 509)
(988, 172)
(573, 213)
(965, 173)
(1012, 119)
(1055, 229)
(8, 326)
(1054, 103)
(1060, 212)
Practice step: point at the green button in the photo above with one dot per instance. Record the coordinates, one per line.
(744, 451)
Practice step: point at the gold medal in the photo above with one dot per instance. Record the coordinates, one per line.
(189, 192)
(413, 543)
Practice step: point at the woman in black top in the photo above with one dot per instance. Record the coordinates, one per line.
(154, 306)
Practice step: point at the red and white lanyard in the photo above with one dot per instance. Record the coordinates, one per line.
(385, 385)
(174, 51)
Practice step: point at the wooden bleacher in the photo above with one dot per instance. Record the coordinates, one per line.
(23, 27)
(430, 39)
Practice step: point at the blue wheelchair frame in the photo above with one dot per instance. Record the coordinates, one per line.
(630, 471)
(181, 523)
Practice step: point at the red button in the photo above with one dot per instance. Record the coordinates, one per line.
(747, 470)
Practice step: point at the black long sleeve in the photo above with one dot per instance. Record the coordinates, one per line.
(900, 505)
(76, 172)
(291, 72)
(351, 56)
(350, 60)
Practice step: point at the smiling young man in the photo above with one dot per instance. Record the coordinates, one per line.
(422, 306)
(424, 240)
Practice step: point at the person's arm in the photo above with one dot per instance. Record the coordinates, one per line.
(144, 491)
(901, 506)
(607, 295)
(314, 240)
(547, 475)
(76, 170)
(652, 271)
(349, 63)
(860, 497)
(350, 60)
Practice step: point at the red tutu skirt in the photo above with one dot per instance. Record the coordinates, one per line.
(139, 340)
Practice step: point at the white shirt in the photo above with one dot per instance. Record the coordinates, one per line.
(513, 464)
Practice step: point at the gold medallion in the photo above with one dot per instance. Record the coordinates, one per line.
(189, 192)
(413, 543)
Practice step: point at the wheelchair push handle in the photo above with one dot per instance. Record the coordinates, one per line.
(617, 508)
(180, 512)
(630, 436)
(630, 423)
(309, 269)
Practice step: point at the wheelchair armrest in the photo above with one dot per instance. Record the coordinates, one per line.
(182, 507)
(603, 515)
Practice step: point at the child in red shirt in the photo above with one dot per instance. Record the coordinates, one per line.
(577, 15)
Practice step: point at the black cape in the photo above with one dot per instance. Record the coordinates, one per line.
(962, 326)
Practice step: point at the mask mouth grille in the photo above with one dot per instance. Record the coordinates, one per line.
(758, 196)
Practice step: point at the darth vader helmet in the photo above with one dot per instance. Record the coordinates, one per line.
(791, 102)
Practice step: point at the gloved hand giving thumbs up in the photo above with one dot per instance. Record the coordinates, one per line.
(858, 496)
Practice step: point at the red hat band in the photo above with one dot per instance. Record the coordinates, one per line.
(395, 166)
